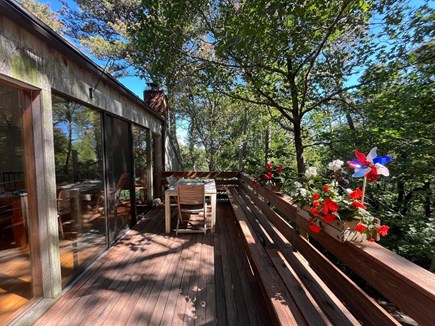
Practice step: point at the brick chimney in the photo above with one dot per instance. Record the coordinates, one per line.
(156, 99)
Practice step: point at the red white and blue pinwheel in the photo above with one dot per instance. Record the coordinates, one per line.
(370, 166)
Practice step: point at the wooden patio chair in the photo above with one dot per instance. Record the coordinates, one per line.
(192, 208)
(64, 209)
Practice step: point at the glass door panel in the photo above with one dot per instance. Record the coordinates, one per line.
(142, 169)
(79, 183)
(15, 260)
(119, 175)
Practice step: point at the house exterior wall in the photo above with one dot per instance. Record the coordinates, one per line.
(40, 63)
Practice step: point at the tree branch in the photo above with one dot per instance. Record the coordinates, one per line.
(313, 57)
(331, 96)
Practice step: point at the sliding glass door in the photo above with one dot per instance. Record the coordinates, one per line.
(78, 147)
(16, 281)
(142, 169)
(119, 175)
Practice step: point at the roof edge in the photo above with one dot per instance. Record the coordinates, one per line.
(27, 20)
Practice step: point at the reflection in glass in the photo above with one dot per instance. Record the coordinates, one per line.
(119, 175)
(141, 141)
(79, 184)
(15, 262)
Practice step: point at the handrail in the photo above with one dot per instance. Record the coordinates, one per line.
(402, 282)
(222, 178)
(410, 287)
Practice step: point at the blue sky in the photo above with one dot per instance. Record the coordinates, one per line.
(135, 84)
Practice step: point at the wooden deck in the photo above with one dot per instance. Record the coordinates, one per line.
(151, 278)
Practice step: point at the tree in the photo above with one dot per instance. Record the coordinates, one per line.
(44, 13)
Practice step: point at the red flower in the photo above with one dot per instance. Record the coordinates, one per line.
(267, 176)
(315, 228)
(310, 220)
(329, 206)
(269, 166)
(314, 211)
(357, 204)
(279, 169)
(316, 203)
(325, 188)
(329, 218)
(383, 230)
(360, 228)
(315, 196)
(371, 240)
(357, 193)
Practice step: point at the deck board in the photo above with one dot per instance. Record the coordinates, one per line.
(151, 278)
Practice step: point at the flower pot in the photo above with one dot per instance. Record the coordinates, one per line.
(345, 231)
(274, 187)
(341, 230)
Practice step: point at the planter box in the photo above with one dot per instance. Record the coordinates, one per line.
(274, 188)
(341, 230)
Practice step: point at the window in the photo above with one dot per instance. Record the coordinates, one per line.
(78, 147)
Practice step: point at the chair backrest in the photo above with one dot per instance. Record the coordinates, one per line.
(121, 182)
(191, 194)
(63, 201)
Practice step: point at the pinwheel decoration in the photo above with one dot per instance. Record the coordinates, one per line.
(369, 167)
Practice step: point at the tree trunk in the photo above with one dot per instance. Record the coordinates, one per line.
(350, 122)
(192, 144)
(267, 146)
(69, 149)
(242, 149)
(299, 147)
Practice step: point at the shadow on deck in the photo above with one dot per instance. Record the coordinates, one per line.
(151, 278)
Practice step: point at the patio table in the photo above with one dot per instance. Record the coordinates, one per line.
(210, 191)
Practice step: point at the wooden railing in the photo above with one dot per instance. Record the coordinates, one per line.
(222, 178)
(406, 285)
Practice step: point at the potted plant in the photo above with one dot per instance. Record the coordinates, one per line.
(330, 205)
(271, 177)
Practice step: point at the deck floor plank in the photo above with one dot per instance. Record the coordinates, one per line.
(175, 291)
(182, 299)
(151, 278)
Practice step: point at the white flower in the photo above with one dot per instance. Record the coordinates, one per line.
(335, 165)
(311, 182)
(311, 172)
(347, 191)
(297, 185)
(303, 192)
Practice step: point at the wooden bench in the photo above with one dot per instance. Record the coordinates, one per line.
(296, 293)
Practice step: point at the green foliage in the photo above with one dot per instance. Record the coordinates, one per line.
(311, 80)
(44, 13)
